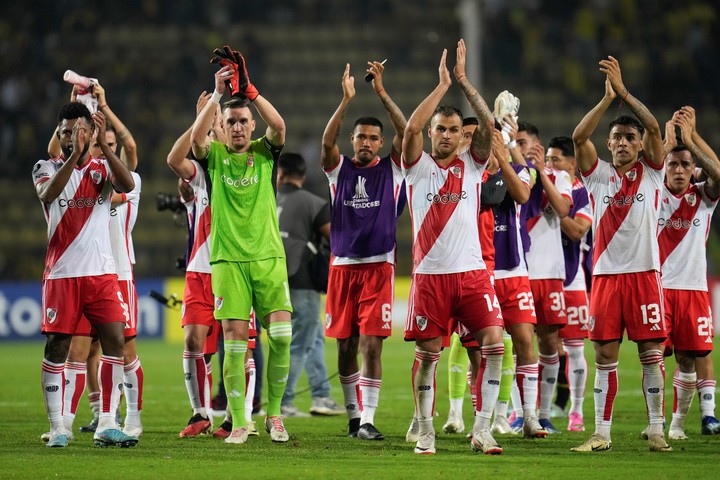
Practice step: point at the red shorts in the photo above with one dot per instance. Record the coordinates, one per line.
(252, 331)
(549, 298)
(516, 300)
(689, 320)
(65, 300)
(198, 301)
(437, 302)
(576, 307)
(359, 300)
(631, 301)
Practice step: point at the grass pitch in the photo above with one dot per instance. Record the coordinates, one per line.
(318, 446)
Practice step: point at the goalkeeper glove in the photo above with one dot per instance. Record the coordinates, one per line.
(226, 57)
(247, 88)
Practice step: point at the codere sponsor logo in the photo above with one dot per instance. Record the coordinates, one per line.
(81, 202)
(446, 197)
(239, 182)
(623, 200)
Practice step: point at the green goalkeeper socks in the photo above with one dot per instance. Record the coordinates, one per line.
(278, 364)
(457, 368)
(234, 376)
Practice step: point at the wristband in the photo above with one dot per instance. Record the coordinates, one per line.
(511, 144)
(216, 96)
(102, 106)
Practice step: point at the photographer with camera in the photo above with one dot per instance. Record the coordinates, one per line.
(304, 221)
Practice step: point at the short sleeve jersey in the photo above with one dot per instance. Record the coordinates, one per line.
(366, 202)
(78, 219)
(683, 229)
(544, 230)
(625, 217)
(122, 222)
(244, 215)
(444, 207)
(199, 221)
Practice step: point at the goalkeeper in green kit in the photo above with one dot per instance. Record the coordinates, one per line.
(246, 252)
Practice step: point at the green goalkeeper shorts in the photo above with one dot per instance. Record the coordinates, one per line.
(240, 286)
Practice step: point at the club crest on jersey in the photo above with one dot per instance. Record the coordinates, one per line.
(328, 320)
(96, 176)
(456, 170)
(421, 322)
(51, 314)
(591, 323)
(218, 303)
(691, 199)
(250, 160)
(631, 175)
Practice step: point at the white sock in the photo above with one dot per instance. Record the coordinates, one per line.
(577, 373)
(684, 388)
(207, 397)
(53, 384)
(110, 378)
(370, 395)
(195, 375)
(133, 387)
(250, 375)
(515, 396)
(75, 376)
(526, 378)
(653, 382)
(706, 394)
(350, 388)
(424, 370)
(549, 367)
(606, 387)
(487, 384)
(94, 401)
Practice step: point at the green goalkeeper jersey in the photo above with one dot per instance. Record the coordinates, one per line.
(244, 214)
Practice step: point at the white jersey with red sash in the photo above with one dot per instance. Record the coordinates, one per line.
(683, 229)
(198, 213)
(625, 214)
(78, 219)
(122, 222)
(444, 207)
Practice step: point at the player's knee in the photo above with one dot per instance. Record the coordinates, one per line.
(277, 340)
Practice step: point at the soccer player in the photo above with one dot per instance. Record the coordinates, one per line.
(550, 202)
(367, 197)
(80, 277)
(246, 253)
(561, 157)
(450, 280)
(626, 291)
(685, 213)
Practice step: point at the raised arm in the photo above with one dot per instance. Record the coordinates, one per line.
(519, 191)
(575, 227)
(129, 148)
(702, 153)
(413, 138)
(330, 152)
(54, 149)
(275, 132)
(50, 189)
(204, 121)
(559, 203)
(481, 143)
(122, 179)
(585, 152)
(652, 140)
(396, 116)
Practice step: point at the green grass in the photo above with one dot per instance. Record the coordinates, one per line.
(318, 447)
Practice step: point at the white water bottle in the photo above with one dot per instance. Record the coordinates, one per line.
(76, 79)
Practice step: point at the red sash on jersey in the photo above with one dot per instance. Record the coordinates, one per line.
(671, 237)
(438, 214)
(203, 233)
(615, 215)
(74, 219)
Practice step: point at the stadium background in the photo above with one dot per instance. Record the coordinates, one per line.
(152, 57)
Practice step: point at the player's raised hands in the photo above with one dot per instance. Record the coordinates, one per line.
(670, 137)
(689, 113)
(80, 138)
(461, 52)
(537, 156)
(499, 150)
(202, 100)
(685, 125)
(99, 92)
(100, 127)
(376, 69)
(611, 68)
(348, 83)
(443, 71)
(226, 76)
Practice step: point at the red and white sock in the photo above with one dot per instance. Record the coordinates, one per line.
(423, 381)
(370, 394)
(706, 394)
(488, 384)
(548, 369)
(250, 377)
(53, 385)
(207, 397)
(653, 382)
(684, 389)
(577, 373)
(195, 375)
(133, 383)
(75, 376)
(351, 392)
(606, 387)
(94, 401)
(110, 377)
(526, 379)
